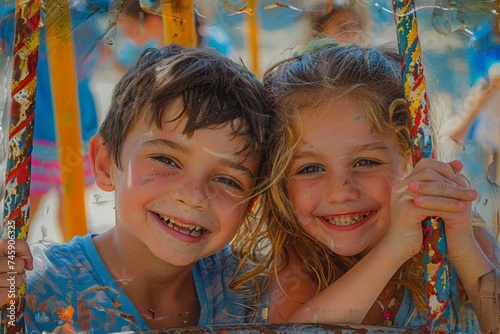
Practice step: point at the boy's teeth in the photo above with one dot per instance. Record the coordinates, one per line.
(192, 230)
(346, 220)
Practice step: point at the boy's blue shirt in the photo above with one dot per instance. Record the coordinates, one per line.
(73, 276)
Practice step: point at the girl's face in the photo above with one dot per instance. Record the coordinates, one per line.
(341, 177)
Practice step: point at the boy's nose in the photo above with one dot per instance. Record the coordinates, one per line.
(192, 196)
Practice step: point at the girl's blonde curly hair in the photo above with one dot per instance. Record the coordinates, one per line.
(316, 77)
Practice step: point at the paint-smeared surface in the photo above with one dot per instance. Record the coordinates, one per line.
(436, 273)
(17, 179)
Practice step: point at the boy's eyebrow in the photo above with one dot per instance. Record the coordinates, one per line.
(231, 164)
(169, 143)
(234, 165)
(185, 149)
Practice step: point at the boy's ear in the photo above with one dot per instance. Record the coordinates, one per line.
(102, 163)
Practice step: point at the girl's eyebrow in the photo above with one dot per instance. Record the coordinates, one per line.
(185, 149)
(376, 146)
(355, 148)
(304, 155)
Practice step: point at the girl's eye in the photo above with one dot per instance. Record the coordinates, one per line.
(311, 169)
(165, 160)
(228, 181)
(366, 163)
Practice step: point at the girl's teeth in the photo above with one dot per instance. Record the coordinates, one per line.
(346, 221)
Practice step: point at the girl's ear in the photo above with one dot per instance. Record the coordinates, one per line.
(102, 163)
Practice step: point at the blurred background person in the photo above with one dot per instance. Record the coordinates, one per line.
(476, 127)
(349, 22)
(45, 164)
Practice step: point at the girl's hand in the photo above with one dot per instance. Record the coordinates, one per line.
(15, 257)
(433, 188)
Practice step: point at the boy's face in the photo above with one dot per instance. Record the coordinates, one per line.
(341, 177)
(184, 198)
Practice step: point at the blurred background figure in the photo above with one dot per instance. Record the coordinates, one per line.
(136, 31)
(349, 22)
(211, 34)
(46, 166)
(139, 29)
(477, 125)
(479, 118)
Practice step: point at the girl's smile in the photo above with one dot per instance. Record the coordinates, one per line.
(340, 178)
(347, 222)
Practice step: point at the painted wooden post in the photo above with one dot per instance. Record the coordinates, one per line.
(65, 96)
(21, 122)
(178, 22)
(253, 32)
(435, 262)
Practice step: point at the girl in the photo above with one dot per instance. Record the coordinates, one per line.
(341, 227)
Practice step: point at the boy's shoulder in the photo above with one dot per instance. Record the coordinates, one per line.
(63, 261)
(78, 247)
(70, 278)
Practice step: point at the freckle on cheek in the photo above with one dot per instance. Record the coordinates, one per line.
(146, 181)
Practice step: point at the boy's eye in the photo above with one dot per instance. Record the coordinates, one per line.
(366, 163)
(228, 182)
(311, 169)
(164, 159)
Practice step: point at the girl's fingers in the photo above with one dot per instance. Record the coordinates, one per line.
(442, 189)
(434, 170)
(440, 204)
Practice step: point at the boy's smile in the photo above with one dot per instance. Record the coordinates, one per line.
(184, 197)
(192, 230)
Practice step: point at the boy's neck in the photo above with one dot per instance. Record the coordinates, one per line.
(164, 297)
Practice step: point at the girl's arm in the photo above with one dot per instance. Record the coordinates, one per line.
(349, 299)
(477, 266)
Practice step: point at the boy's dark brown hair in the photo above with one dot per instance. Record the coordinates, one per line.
(213, 91)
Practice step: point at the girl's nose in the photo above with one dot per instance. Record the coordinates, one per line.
(341, 188)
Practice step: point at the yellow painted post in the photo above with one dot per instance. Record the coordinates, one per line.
(253, 28)
(64, 92)
(178, 22)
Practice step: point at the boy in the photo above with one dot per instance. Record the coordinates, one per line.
(181, 147)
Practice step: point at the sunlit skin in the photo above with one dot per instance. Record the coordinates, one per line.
(170, 183)
(356, 192)
(343, 171)
(198, 182)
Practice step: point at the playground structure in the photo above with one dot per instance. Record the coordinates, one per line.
(179, 27)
